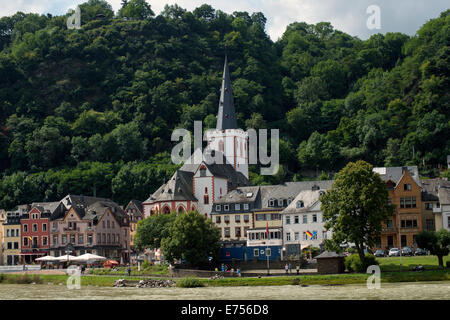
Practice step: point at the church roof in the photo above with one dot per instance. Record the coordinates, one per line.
(178, 188)
(226, 118)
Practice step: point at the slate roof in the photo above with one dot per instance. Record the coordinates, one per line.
(309, 198)
(290, 190)
(178, 188)
(137, 204)
(226, 117)
(396, 173)
(239, 195)
(329, 254)
(444, 193)
(430, 188)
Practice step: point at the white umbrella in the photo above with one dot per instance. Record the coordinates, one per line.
(88, 257)
(67, 257)
(46, 258)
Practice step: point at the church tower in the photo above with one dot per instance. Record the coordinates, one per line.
(227, 138)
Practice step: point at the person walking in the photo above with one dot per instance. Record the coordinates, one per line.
(239, 272)
(290, 267)
(286, 267)
(128, 271)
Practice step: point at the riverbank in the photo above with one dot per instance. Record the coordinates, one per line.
(327, 280)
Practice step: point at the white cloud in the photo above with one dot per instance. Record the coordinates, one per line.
(349, 16)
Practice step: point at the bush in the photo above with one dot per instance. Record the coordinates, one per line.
(447, 264)
(353, 263)
(2, 277)
(189, 283)
(145, 265)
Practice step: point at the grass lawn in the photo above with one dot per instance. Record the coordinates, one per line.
(150, 270)
(408, 263)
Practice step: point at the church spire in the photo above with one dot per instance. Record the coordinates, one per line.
(226, 118)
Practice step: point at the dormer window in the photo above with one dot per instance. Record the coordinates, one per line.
(271, 203)
(300, 204)
(202, 171)
(280, 202)
(218, 207)
(226, 207)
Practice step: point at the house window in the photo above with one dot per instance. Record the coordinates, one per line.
(300, 204)
(314, 218)
(227, 219)
(237, 207)
(34, 227)
(104, 237)
(428, 206)
(237, 218)
(305, 218)
(218, 207)
(226, 232)
(288, 236)
(280, 202)
(90, 239)
(314, 237)
(245, 231)
(80, 239)
(206, 199)
(107, 224)
(296, 236)
(217, 219)
(44, 241)
(245, 206)
(268, 252)
(256, 252)
(64, 239)
(226, 207)
(72, 239)
(109, 238)
(25, 241)
(448, 222)
(203, 171)
(288, 219)
(407, 187)
(430, 224)
(25, 228)
(271, 203)
(246, 218)
(55, 240)
(114, 238)
(237, 232)
(44, 227)
(16, 245)
(408, 202)
(324, 235)
(389, 224)
(304, 236)
(112, 224)
(295, 219)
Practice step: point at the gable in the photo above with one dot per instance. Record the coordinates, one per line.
(70, 212)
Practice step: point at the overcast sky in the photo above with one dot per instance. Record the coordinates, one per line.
(350, 16)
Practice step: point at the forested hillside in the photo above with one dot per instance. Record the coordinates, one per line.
(91, 111)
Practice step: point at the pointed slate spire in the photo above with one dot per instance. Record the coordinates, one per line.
(226, 118)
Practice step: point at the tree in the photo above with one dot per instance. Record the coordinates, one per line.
(136, 9)
(152, 230)
(355, 207)
(438, 242)
(192, 238)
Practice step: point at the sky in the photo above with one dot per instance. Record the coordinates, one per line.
(350, 16)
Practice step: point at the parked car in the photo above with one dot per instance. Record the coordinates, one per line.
(380, 253)
(394, 252)
(420, 252)
(407, 251)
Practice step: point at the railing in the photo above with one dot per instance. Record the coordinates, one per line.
(71, 229)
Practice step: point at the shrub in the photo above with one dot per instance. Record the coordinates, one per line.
(189, 283)
(353, 263)
(447, 264)
(2, 277)
(145, 265)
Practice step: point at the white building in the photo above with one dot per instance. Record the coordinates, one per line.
(301, 219)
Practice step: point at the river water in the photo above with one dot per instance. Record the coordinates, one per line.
(415, 291)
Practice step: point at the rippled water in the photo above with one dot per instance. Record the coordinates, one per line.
(415, 291)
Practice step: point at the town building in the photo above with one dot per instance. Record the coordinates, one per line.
(232, 214)
(431, 207)
(303, 224)
(444, 199)
(35, 235)
(11, 238)
(2, 219)
(200, 182)
(90, 225)
(135, 214)
(405, 191)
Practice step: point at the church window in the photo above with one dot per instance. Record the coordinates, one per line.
(206, 199)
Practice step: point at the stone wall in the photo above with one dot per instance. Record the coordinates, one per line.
(330, 265)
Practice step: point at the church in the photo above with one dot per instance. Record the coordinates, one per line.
(198, 183)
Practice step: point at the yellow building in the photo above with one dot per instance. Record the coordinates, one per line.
(11, 239)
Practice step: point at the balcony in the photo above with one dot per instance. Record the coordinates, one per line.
(437, 209)
(389, 229)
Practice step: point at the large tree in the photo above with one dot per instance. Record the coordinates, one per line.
(355, 207)
(437, 242)
(192, 238)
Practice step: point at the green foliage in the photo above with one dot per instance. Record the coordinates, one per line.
(354, 264)
(112, 92)
(438, 242)
(189, 283)
(191, 237)
(152, 230)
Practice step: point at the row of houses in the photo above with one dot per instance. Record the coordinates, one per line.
(291, 213)
(74, 225)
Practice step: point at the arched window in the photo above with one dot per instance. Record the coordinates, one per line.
(166, 210)
(206, 190)
(300, 204)
(180, 209)
(202, 171)
(206, 199)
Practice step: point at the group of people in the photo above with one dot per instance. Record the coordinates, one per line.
(224, 268)
(288, 268)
